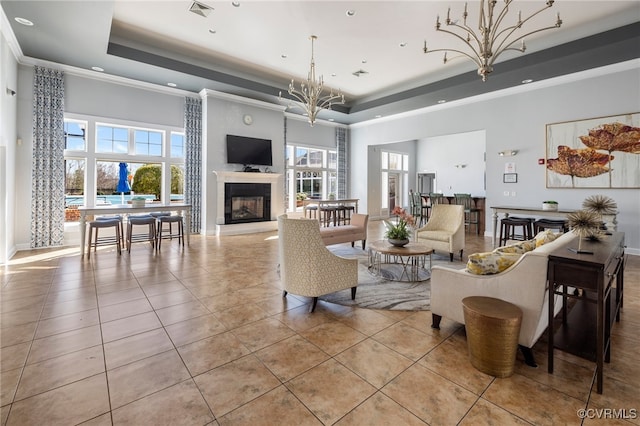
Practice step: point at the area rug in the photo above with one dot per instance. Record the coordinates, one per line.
(381, 293)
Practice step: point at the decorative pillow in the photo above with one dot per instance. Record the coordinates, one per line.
(490, 262)
(545, 237)
(519, 248)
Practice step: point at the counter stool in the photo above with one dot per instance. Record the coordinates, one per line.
(312, 211)
(101, 241)
(348, 211)
(147, 220)
(508, 227)
(119, 218)
(179, 234)
(327, 214)
(158, 215)
(543, 224)
(493, 329)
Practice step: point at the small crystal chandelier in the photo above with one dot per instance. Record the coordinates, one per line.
(491, 41)
(310, 93)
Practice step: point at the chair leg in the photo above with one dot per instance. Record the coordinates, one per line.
(89, 251)
(450, 257)
(353, 243)
(284, 293)
(313, 305)
(364, 242)
(353, 293)
(528, 356)
(461, 255)
(435, 321)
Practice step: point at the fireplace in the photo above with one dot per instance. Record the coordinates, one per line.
(247, 202)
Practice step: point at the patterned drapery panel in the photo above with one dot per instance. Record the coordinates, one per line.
(47, 167)
(341, 143)
(193, 160)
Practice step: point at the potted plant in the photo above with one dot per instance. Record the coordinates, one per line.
(550, 205)
(398, 234)
(300, 197)
(138, 201)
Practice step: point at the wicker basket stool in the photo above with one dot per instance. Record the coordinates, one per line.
(493, 327)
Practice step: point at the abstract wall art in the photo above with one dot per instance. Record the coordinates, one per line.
(594, 153)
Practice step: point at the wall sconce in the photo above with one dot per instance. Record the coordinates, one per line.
(11, 92)
(507, 153)
(460, 166)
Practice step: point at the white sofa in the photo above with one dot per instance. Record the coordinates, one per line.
(524, 284)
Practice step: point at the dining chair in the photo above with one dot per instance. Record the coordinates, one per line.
(471, 213)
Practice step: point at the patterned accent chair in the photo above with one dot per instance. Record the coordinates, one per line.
(307, 268)
(445, 229)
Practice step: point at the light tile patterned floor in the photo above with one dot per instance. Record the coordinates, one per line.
(203, 336)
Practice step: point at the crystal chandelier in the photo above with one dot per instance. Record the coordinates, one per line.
(310, 93)
(491, 41)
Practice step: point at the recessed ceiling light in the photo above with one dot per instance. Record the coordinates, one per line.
(403, 44)
(24, 21)
(351, 12)
(378, 116)
(97, 69)
(441, 101)
(331, 119)
(283, 56)
(364, 61)
(235, 3)
(172, 85)
(527, 81)
(212, 31)
(333, 74)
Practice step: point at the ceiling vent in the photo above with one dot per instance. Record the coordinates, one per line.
(360, 73)
(200, 9)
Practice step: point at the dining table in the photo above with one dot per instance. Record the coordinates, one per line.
(609, 219)
(128, 209)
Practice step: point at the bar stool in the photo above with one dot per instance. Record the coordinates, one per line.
(101, 241)
(147, 220)
(348, 211)
(117, 217)
(312, 211)
(179, 234)
(544, 224)
(508, 227)
(471, 213)
(327, 213)
(161, 214)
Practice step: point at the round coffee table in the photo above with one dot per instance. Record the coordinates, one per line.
(411, 260)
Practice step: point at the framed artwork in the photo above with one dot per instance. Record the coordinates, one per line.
(594, 153)
(510, 178)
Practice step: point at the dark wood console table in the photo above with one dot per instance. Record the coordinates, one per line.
(585, 331)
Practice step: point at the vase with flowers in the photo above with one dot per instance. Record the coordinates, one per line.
(398, 233)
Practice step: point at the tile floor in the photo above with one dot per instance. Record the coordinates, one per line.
(203, 336)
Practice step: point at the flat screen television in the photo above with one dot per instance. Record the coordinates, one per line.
(248, 151)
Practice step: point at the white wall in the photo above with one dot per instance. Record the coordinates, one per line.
(8, 112)
(516, 119)
(441, 154)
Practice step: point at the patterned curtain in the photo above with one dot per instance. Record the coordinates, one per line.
(47, 168)
(341, 142)
(193, 160)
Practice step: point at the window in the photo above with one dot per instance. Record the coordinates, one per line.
(177, 145)
(112, 139)
(74, 135)
(312, 171)
(153, 154)
(147, 142)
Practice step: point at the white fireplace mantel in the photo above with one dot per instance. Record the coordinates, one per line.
(223, 177)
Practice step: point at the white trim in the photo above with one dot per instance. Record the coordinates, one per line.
(9, 35)
(320, 121)
(536, 85)
(204, 93)
(95, 75)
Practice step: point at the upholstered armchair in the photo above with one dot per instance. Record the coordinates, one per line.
(445, 229)
(307, 268)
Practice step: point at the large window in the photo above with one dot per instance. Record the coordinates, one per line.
(97, 153)
(311, 172)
